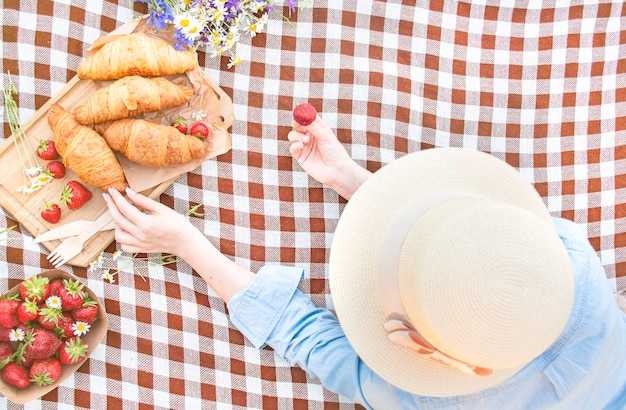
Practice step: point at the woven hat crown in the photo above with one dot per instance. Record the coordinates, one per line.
(482, 281)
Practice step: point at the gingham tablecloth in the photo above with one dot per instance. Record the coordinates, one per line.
(542, 87)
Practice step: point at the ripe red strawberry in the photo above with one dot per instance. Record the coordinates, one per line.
(15, 375)
(41, 343)
(85, 313)
(56, 169)
(26, 360)
(180, 125)
(64, 328)
(51, 213)
(72, 294)
(6, 351)
(73, 351)
(49, 318)
(5, 334)
(46, 150)
(304, 114)
(199, 130)
(35, 288)
(45, 371)
(8, 313)
(55, 285)
(27, 311)
(75, 195)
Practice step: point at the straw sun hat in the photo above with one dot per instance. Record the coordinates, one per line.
(446, 273)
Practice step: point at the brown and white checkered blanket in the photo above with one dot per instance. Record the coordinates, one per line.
(541, 86)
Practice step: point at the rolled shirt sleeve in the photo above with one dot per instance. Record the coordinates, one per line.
(272, 311)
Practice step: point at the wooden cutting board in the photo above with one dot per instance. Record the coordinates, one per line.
(26, 208)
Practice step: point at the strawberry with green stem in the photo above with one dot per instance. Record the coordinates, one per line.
(180, 124)
(46, 150)
(199, 130)
(35, 288)
(49, 318)
(72, 294)
(51, 212)
(73, 351)
(86, 312)
(55, 169)
(27, 311)
(65, 327)
(45, 371)
(75, 195)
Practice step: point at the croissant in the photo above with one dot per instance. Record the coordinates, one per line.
(84, 151)
(130, 96)
(136, 54)
(150, 143)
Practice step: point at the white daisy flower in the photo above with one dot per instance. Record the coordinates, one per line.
(16, 335)
(54, 302)
(80, 328)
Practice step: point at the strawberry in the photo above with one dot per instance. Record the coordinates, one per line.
(27, 311)
(41, 343)
(15, 375)
(8, 313)
(75, 195)
(55, 285)
(64, 327)
(56, 169)
(199, 130)
(26, 360)
(49, 317)
(5, 334)
(180, 125)
(45, 371)
(6, 352)
(35, 288)
(51, 213)
(46, 150)
(85, 313)
(73, 351)
(72, 294)
(304, 114)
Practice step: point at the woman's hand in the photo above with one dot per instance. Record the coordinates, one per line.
(147, 226)
(323, 157)
(155, 229)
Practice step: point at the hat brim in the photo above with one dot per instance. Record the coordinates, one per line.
(355, 256)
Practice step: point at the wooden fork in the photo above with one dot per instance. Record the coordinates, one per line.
(74, 245)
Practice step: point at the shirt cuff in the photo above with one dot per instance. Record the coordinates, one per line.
(256, 309)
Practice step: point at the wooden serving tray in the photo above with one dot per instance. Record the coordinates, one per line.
(26, 208)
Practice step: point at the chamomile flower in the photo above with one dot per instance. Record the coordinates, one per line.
(54, 302)
(16, 335)
(108, 276)
(198, 115)
(80, 328)
(234, 60)
(33, 171)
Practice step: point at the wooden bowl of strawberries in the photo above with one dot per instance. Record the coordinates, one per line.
(49, 325)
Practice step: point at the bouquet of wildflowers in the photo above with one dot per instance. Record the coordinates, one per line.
(216, 24)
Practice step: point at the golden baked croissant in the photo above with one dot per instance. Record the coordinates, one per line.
(130, 96)
(136, 54)
(150, 143)
(84, 151)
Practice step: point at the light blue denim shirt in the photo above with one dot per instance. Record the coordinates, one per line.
(585, 368)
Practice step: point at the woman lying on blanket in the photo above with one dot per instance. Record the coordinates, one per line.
(453, 287)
